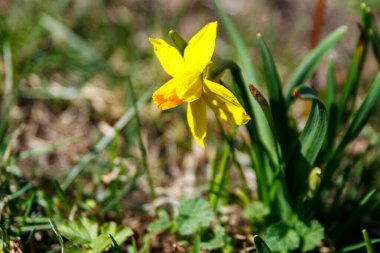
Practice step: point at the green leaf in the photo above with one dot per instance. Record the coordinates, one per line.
(55, 230)
(357, 246)
(312, 60)
(91, 226)
(162, 223)
(332, 107)
(313, 135)
(259, 120)
(375, 39)
(260, 244)
(115, 244)
(285, 134)
(100, 243)
(349, 92)
(178, 41)
(104, 241)
(192, 214)
(281, 236)
(75, 249)
(311, 235)
(217, 241)
(311, 140)
(119, 233)
(361, 116)
(76, 231)
(238, 44)
(256, 210)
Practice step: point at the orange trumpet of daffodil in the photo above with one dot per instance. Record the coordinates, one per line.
(189, 83)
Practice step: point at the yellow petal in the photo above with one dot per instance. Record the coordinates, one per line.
(196, 117)
(200, 48)
(166, 96)
(224, 103)
(169, 57)
(189, 88)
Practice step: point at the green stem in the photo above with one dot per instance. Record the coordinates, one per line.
(219, 181)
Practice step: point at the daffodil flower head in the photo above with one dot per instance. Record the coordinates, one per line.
(189, 83)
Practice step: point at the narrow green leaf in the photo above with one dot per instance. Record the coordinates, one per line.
(285, 134)
(48, 148)
(356, 213)
(18, 193)
(331, 105)
(375, 37)
(260, 122)
(238, 43)
(55, 230)
(310, 142)
(116, 245)
(367, 241)
(361, 116)
(347, 100)
(375, 40)
(313, 135)
(59, 30)
(178, 41)
(307, 67)
(260, 244)
(357, 246)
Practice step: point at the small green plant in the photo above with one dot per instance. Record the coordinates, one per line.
(85, 235)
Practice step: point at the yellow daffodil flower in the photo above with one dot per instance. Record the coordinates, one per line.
(189, 83)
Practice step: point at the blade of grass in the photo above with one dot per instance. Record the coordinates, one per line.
(56, 232)
(219, 181)
(59, 30)
(357, 246)
(8, 87)
(116, 245)
(347, 100)
(105, 140)
(357, 123)
(140, 141)
(46, 149)
(307, 67)
(367, 241)
(355, 214)
(17, 194)
(375, 38)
